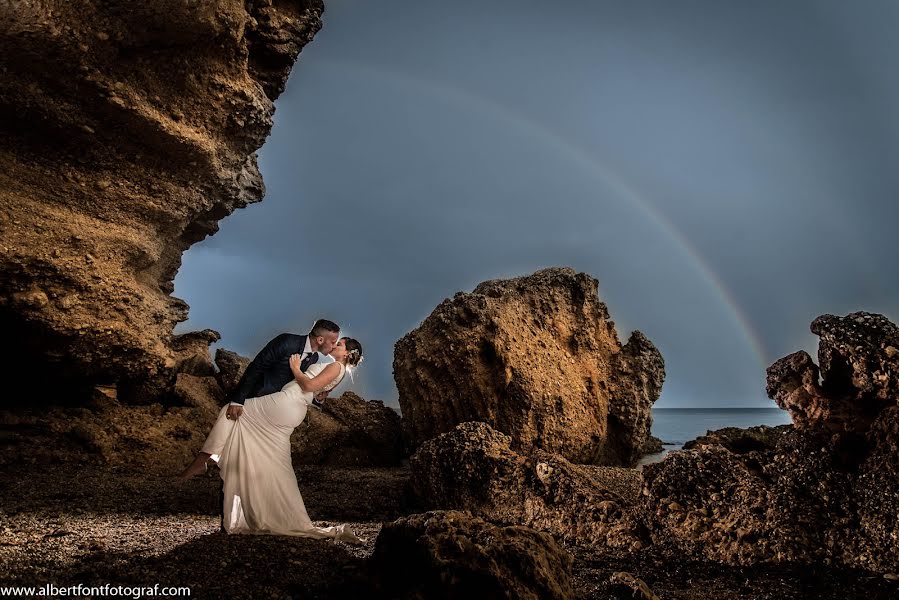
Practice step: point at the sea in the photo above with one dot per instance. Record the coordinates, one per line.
(676, 426)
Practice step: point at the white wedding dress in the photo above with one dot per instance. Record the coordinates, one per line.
(253, 455)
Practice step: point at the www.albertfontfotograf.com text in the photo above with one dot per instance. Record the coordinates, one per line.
(50, 590)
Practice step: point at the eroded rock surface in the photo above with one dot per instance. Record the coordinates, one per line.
(856, 379)
(538, 359)
(231, 366)
(152, 439)
(473, 468)
(127, 131)
(349, 431)
(451, 554)
(822, 491)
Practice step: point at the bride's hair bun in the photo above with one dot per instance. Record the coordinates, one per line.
(354, 352)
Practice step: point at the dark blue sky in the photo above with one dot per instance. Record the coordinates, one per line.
(727, 170)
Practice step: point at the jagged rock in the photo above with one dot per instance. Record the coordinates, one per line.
(632, 586)
(192, 352)
(199, 392)
(451, 554)
(127, 131)
(652, 445)
(741, 440)
(859, 376)
(822, 491)
(537, 358)
(349, 431)
(231, 366)
(473, 468)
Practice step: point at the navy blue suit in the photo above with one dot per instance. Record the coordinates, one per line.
(270, 370)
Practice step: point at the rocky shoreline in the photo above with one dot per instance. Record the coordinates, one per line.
(64, 524)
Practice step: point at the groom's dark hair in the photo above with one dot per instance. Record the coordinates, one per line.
(323, 325)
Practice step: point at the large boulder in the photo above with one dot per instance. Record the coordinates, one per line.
(823, 490)
(451, 554)
(473, 468)
(127, 131)
(538, 359)
(349, 431)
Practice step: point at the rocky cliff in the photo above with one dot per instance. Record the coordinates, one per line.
(537, 358)
(127, 131)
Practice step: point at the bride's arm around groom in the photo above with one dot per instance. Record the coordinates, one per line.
(317, 383)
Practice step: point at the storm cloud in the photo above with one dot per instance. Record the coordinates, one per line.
(726, 170)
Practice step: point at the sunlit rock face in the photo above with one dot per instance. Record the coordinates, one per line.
(127, 131)
(823, 490)
(537, 358)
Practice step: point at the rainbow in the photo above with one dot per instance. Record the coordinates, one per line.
(582, 157)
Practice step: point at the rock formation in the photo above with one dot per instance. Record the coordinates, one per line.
(822, 491)
(741, 440)
(127, 130)
(152, 439)
(454, 555)
(349, 431)
(859, 374)
(231, 366)
(538, 359)
(473, 468)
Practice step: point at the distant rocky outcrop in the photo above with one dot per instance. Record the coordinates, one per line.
(473, 468)
(127, 131)
(538, 359)
(349, 431)
(451, 554)
(821, 491)
(740, 440)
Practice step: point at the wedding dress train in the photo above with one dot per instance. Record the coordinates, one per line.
(253, 454)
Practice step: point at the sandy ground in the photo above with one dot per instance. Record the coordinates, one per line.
(68, 524)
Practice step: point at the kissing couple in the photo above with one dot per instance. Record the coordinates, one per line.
(250, 440)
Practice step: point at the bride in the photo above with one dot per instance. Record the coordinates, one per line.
(253, 453)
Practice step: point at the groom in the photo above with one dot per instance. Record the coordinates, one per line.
(270, 370)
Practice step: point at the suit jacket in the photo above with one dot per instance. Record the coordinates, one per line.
(269, 371)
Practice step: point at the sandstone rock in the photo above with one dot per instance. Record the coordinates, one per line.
(231, 366)
(102, 189)
(150, 439)
(473, 468)
(192, 352)
(199, 392)
(454, 555)
(823, 491)
(537, 358)
(349, 432)
(858, 377)
(636, 587)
